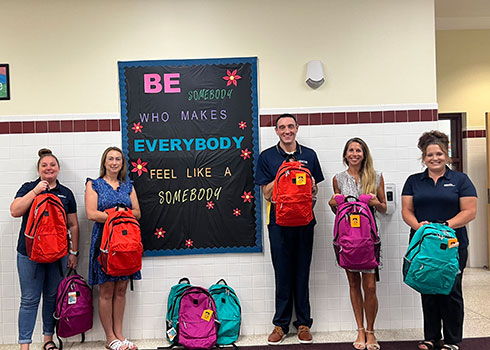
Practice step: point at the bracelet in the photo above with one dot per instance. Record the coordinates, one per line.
(34, 192)
(446, 223)
(74, 252)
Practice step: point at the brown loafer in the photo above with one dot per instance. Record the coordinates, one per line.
(276, 337)
(304, 335)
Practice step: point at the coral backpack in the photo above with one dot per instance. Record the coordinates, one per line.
(74, 308)
(292, 194)
(431, 263)
(228, 310)
(197, 319)
(46, 232)
(121, 249)
(356, 241)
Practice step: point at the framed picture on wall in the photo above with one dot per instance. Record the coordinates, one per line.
(4, 82)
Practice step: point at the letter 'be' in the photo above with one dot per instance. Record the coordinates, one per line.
(153, 86)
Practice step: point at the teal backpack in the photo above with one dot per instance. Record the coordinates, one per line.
(228, 312)
(173, 305)
(431, 263)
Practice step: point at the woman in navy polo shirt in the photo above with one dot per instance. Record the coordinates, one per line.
(440, 194)
(36, 278)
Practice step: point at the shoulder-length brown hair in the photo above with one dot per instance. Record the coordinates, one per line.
(124, 170)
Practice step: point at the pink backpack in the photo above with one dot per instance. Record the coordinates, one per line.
(74, 308)
(197, 319)
(356, 241)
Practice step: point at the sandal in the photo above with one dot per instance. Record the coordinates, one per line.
(116, 344)
(357, 344)
(52, 345)
(372, 346)
(450, 347)
(130, 344)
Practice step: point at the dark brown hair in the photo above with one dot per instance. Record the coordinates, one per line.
(434, 137)
(44, 152)
(286, 115)
(124, 170)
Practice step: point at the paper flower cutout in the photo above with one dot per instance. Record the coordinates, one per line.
(237, 212)
(245, 153)
(231, 77)
(210, 205)
(160, 233)
(247, 197)
(189, 243)
(137, 127)
(242, 125)
(139, 167)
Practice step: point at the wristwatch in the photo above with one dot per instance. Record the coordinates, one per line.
(74, 252)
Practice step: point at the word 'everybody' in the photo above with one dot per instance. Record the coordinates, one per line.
(194, 144)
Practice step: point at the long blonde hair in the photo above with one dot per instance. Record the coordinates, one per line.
(367, 174)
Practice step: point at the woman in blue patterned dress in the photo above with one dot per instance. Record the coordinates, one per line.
(361, 178)
(107, 191)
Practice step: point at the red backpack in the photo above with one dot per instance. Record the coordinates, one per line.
(46, 232)
(121, 249)
(292, 194)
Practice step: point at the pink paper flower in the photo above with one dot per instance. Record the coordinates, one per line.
(237, 212)
(137, 127)
(210, 205)
(160, 233)
(231, 77)
(189, 243)
(245, 154)
(247, 197)
(139, 167)
(242, 125)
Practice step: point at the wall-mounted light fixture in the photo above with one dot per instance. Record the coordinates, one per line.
(314, 74)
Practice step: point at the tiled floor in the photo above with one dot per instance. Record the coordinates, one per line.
(476, 289)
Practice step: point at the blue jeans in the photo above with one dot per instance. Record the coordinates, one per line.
(35, 279)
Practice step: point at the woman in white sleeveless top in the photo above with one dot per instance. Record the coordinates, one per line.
(361, 178)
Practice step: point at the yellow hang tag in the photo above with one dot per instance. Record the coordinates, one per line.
(453, 242)
(206, 315)
(355, 220)
(301, 179)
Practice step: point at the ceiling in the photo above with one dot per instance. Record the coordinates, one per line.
(462, 14)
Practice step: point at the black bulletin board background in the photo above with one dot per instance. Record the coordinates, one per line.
(192, 153)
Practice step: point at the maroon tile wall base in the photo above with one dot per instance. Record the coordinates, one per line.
(266, 120)
(469, 134)
(57, 126)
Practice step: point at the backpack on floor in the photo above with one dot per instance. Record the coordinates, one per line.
(228, 310)
(121, 249)
(431, 263)
(74, 308)
(173, 307)
(46, 232)
(198, 326)
(356, 241)
(292, 194)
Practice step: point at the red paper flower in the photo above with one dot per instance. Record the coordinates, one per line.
(139, 167)
(245, 154)
(232, 77)
(137, 127)
(237, 212)
(247, 197)
(160, 233)
(210, 205)
(189, 243)
(242, 125)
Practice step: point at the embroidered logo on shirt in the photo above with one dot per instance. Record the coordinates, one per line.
(449, 185)
(303, 161)
(61, 196)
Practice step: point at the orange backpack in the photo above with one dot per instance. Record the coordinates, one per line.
(46, 232)
(121, 249)
(292, 194)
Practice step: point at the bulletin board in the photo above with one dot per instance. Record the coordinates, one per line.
(190, 132)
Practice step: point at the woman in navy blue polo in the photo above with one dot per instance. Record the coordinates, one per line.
(440, 194)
